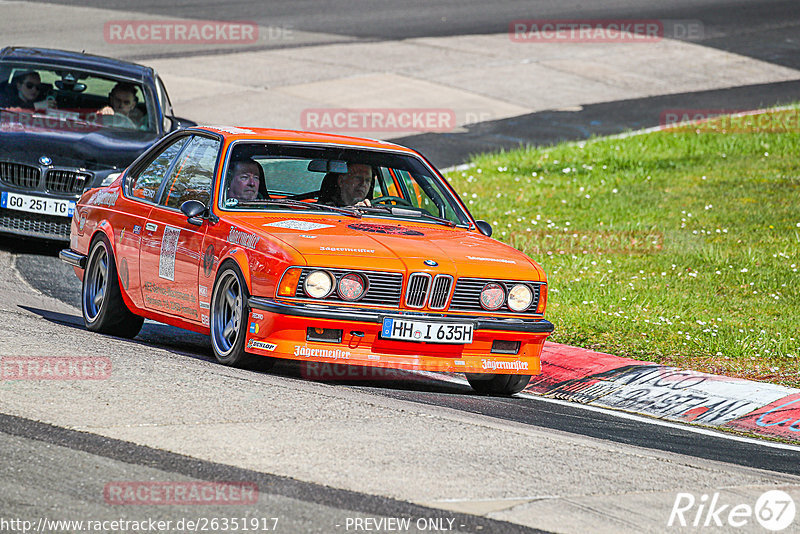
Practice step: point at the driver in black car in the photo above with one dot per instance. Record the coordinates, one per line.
(122, 101)
(349, 189)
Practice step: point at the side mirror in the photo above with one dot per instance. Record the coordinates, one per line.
(193, 209)
(484, 227)
(179, 123)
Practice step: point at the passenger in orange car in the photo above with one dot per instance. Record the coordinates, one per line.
(350, 189)
(246, 181)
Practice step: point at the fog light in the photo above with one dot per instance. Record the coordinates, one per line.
(492, 296)
(352, 286)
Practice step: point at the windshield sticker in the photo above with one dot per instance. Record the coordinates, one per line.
(237, 237)
(233, 130)
(496, 260)
(305, 226)
(346, 249)
(231, 202)
(104, 198)
(169, 246)
(383, 229)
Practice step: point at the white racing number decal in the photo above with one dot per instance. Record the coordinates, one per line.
(169, 246)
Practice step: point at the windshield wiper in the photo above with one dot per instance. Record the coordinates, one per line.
(403, 211)
(302, 205)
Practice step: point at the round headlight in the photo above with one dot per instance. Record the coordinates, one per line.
(520, 298)
(492, 296)
(318, 284)
(352, 286)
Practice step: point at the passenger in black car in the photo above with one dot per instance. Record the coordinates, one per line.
(24, 92)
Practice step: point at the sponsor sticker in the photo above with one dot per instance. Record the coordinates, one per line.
(169, 247)
(505, 365)
(255, 344)
(496, 260)
(383, 229)
(305, 226)
(254, 328)
(208, 261)
(104, 198)
(333, 354)
(245, 239)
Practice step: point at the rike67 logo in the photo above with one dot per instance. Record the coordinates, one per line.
(774, 510)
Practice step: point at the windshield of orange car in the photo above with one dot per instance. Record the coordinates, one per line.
(34, 97)
(375, 183)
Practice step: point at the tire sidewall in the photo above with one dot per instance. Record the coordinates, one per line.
(111, 276)
(235, 354)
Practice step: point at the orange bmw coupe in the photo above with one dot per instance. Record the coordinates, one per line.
(310, 247)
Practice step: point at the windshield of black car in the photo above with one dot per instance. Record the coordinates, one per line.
(258, 174)
(53, 98)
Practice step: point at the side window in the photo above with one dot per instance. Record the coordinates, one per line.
(145, 186)
(193, 174)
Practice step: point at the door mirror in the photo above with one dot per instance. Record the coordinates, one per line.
(484, 227)
(193, 209)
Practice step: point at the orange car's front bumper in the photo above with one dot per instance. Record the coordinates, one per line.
(353, 337)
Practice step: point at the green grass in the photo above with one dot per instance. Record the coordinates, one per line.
(680, 247)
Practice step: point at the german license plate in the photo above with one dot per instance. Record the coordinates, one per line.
(47, 206)
(410, 330)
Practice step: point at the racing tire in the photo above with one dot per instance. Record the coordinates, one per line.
(228, 321)
(490, 384)
(102, 306)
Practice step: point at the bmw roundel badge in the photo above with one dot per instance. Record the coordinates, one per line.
(44, 160)
(430, 263)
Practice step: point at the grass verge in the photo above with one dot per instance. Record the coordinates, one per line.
(680, 247)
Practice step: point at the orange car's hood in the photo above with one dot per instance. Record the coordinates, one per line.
(375, 243)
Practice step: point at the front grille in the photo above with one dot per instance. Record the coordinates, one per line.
(59, 181)
(417, 289)
(467, 295)
(34, 224)
(440, 291)
(19, 175)
(382, 288)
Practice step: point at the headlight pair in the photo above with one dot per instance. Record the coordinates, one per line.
(320, 284)
(493, 296)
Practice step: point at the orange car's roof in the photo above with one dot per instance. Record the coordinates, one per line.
(233, 133)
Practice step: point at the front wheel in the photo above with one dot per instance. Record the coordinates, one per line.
(229, 320)
(490, 384)
(104, 311)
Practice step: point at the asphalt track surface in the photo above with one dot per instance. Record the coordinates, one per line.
(38, 269)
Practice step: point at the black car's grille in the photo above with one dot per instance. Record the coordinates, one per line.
(382, 288)
(19, 175)
(417, 289)
(467, 295)
(34, 224)
(60, 181)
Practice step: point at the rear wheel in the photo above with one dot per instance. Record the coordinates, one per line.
(104, 311)
(229, 320)
(490, 384)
